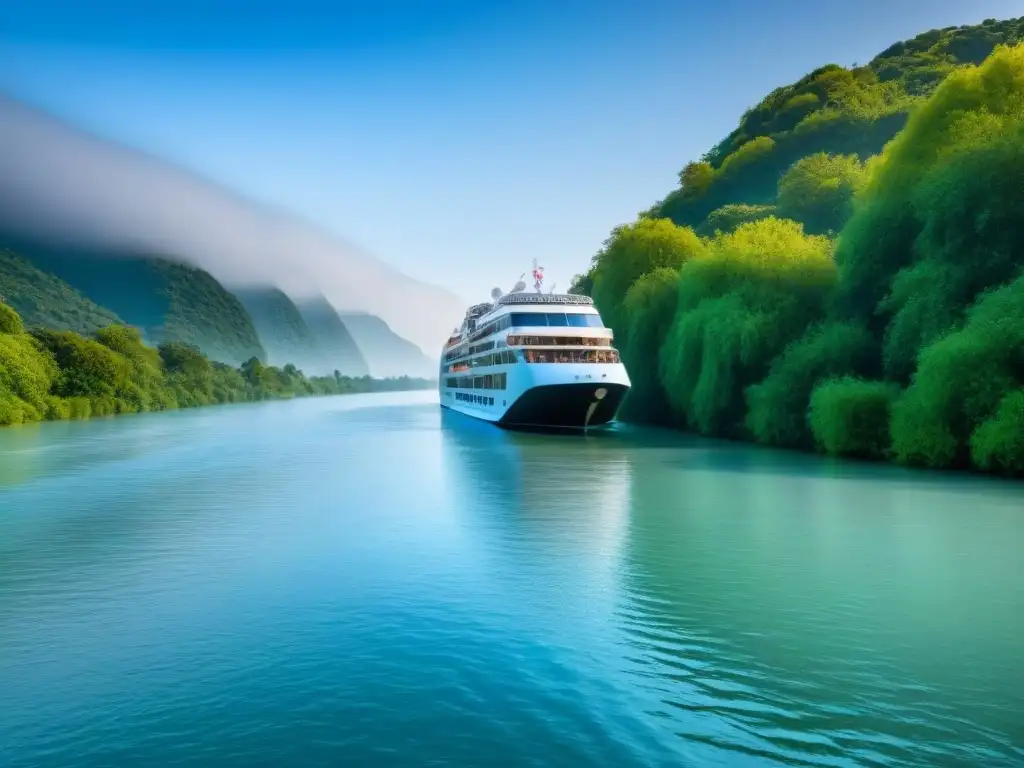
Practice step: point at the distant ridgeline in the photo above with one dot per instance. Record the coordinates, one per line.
(843, 272)
(170, 302)
(319, 339)
(50, 375)
(332, 339)
(387, 353)
(282, 329)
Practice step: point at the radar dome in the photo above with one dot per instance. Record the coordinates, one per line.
(518, 287)
(495, 293)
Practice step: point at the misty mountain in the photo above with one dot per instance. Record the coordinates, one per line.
(65, 187)
(165, 300)
(386, 353)
(45, 301)
(281, 328)
(335, 347)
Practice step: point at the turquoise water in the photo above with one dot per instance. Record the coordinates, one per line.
(364, 580)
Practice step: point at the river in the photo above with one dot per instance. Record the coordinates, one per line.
(366, 580)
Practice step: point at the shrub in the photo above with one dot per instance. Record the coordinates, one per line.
(650, 307)
(10, 321)
(961, 380)
(818, 191)
(630, 253)
(998, 444)
(850, 417)
(729, 217)
(777, 405)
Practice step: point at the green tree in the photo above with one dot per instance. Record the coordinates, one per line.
(695, 178)
(632, 251)
(973, 108)
(998, 444)
(87, 368)
(818, 191)
(650, 307)
(777, 406)
(850, 417)
(10, 321)
(727, 218)
(961, 380)
(740, 304)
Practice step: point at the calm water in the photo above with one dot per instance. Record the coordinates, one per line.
(365, 581)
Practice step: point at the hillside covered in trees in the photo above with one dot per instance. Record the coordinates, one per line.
(333, 340)
(280, 326)
(50, 375)
(46, 301)
(67, 289)
(843, 271)
(166, 301)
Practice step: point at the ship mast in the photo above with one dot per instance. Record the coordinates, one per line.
(538, 276)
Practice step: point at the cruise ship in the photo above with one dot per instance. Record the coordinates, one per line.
(533, 360)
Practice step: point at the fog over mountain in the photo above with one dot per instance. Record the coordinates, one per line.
(65, 186)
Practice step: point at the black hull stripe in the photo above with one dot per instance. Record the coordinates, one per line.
(565, 406)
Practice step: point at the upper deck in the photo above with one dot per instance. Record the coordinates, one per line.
(549, 319)
(526, 310)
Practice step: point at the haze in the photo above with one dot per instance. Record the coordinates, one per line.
(61, 185)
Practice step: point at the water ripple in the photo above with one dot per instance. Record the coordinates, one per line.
(366, 581)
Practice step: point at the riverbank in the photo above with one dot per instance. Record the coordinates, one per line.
(48, 375)
(891, 328)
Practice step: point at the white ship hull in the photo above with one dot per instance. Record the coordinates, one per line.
(547, 398)
(545, 395)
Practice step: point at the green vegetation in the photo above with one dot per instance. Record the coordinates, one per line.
(851, 416)
(844, 271)
(50, 374)
(729, 217)
(833, 110)
(279, 324)
(167, 301)
(45, 301)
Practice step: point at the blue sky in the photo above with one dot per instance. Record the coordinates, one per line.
(456, 140)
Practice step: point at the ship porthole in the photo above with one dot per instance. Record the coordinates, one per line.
(600, 393)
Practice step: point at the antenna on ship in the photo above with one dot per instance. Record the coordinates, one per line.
(538, 276)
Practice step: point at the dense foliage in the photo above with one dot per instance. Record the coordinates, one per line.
(45, 301)
(833, 110)
(50, 374)
(167, 301)
(841, 296)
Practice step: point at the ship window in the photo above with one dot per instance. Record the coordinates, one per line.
(585, 321)
(578, 321)
(555, 319)
(571, 356)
